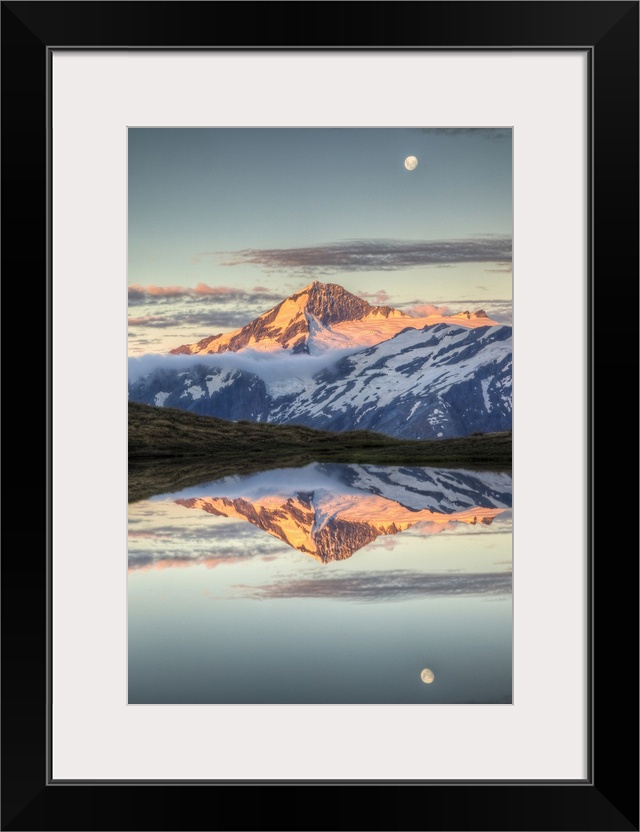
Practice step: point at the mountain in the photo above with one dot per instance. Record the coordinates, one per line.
(319, 317)
(331, 511)
(440, 381)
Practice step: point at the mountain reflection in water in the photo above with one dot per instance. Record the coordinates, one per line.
(330, 511)
(325, 584)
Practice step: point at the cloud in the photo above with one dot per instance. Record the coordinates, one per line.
(218, 291)
(136, 294)
(215, 311)
(471, 301)
(502, 315)
(180, 546)
(490, 133)
(269, 366)
(144, 321)
(158, 291)
(423, 310)
(138, 343)
(152, 294)
(395, 585)
(217, 320)
(380, 298)
(500, 268)
(144, 563)
(194, 534)
(458, 529)
(377, 255)
(147, 534)
(153, 322)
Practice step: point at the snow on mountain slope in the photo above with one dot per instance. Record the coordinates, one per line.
(440, 381)
(437, 489)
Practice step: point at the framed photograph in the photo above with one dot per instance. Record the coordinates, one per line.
(266, 224)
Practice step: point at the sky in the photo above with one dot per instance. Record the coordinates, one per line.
(224, 223)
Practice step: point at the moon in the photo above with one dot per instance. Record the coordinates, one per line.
(411, 163)
(427, 676)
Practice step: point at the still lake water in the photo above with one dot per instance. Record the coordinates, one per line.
(330, 584)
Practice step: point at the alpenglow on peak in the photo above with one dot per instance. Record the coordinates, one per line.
(304, 318)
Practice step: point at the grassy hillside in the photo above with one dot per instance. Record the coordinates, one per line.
(171, 449)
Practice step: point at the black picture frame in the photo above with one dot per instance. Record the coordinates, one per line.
(608, 798)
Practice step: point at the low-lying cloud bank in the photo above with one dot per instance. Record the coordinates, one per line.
(268, 366)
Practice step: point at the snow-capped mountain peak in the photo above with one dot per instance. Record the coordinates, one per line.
(319, 317)
(289, 325)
